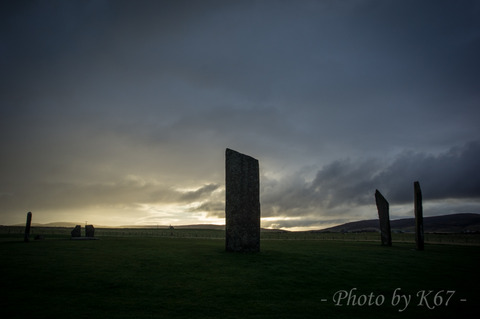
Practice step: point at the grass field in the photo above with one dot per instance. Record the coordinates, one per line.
(175, 277)
(64, 232)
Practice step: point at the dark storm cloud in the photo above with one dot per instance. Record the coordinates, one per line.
(214, 207)
(453, 174)
(348, 183)
(199, 193)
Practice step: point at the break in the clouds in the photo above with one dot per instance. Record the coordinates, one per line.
(119, 112)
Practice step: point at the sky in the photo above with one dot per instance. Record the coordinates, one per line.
(119, 112)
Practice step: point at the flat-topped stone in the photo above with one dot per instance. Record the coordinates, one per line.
(89, 231)
(242, 202)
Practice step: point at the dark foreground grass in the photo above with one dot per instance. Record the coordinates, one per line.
(195, 278)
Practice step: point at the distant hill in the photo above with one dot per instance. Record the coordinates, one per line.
(198, 226)
(63, 224)
(455, 223)
(195, 226)
(59, 224)
(53, 224)
(72, 225)
(201, 226)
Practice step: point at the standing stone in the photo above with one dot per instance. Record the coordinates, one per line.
(242, 202)
(26, 238)
(89, 231)
(77, 231)
(384, 217)
(419, 237)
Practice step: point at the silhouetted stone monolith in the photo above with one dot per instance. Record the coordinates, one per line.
(89, 231)
(242, 202)
(384, 217)
(77, 231)
(26, 238)
(418, 207)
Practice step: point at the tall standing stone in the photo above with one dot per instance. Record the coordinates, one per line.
(89, 231)
(77, 231)
(242, 202)
(384, 217)
(418, 207)
(26, 238)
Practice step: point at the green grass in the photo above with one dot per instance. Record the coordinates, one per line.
(162, 277)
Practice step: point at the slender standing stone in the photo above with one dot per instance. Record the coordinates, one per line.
(89, 231)
(419, 236)
(242, 202)
(27, 227)
(384, 217)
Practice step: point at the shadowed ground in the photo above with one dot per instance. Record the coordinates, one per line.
(185, 278)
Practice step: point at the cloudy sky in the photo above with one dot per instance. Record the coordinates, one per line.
(119, 112)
